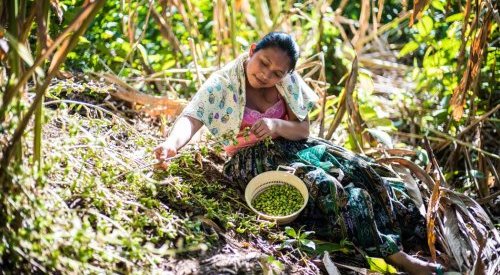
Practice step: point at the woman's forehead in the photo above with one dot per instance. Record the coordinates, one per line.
(276, 56)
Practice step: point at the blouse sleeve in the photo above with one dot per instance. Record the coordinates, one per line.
(199, 106)
(299, 96)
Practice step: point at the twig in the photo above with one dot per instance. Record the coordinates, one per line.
(464, 143)
(96, 107)
(409, 135)
(488, 198)
(434, 161)
(445, 143)
(140, 168)
(195, 60)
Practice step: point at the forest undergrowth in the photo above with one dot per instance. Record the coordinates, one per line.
(102, 205)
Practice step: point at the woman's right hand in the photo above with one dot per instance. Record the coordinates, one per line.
(163, 152)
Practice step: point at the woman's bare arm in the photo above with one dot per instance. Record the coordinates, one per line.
(183, 130)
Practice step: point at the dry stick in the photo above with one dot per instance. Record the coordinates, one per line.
(195, 60)
(410, 135)
(176, 71)
(96, 107)
(487, 199)
(445, 143)
(385, 28)
(42, 8)
(141, 36)
(468, 163)
(166, 32)
(464, 144)
(82, 21)
(430, 153)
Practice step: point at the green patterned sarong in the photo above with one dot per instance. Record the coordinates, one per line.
(353, 203)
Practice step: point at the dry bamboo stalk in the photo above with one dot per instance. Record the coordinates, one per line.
(357, 40)
(199, 77)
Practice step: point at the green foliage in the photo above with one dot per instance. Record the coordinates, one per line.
(93, 211)
(435, 47)
(298, 239)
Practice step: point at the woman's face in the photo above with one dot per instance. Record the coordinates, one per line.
(266, 67)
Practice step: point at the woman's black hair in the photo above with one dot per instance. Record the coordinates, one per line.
(282, 41)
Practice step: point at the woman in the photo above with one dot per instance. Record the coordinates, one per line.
(261, 92)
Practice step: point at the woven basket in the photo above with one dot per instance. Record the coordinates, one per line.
(261, 182)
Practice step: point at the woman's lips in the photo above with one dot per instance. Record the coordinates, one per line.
(260, 81)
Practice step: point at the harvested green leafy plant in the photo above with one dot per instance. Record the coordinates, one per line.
(279, 200)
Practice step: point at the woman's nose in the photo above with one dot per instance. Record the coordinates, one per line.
(266, 75)
(263, 76)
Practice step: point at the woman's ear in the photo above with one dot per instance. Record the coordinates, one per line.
(252, 49)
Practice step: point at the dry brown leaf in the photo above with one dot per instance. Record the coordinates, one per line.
(415, 169)
(479, 267)
(349, 88)
(431, 216)
(330, 267)
(475, 226)
(150, 104)
(459, 96)
(57, 8)
(418, 8)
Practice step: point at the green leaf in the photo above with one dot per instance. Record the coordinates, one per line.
(308, 243)
(438, 5)
(379, 265)
(322, 246)
(408, 48)
(424, 26)
(422, 156)
(23, 52)
(381, 137)
(290, 232)
(367, 112)
(305, 234)
(455, 17)
(83, 40)
(143, 53)
(107, 34)
(381, 123)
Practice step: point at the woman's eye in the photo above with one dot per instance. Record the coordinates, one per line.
(277, 75)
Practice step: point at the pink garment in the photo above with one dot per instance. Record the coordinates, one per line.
(250, 116)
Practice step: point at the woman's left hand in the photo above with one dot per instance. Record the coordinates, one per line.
(264, 127)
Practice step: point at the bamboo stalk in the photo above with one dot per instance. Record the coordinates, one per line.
(83, 21)
(233, 28)
(195, 60)
(35, 66)
(262, 16)
(14, 60)
(42, 8)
